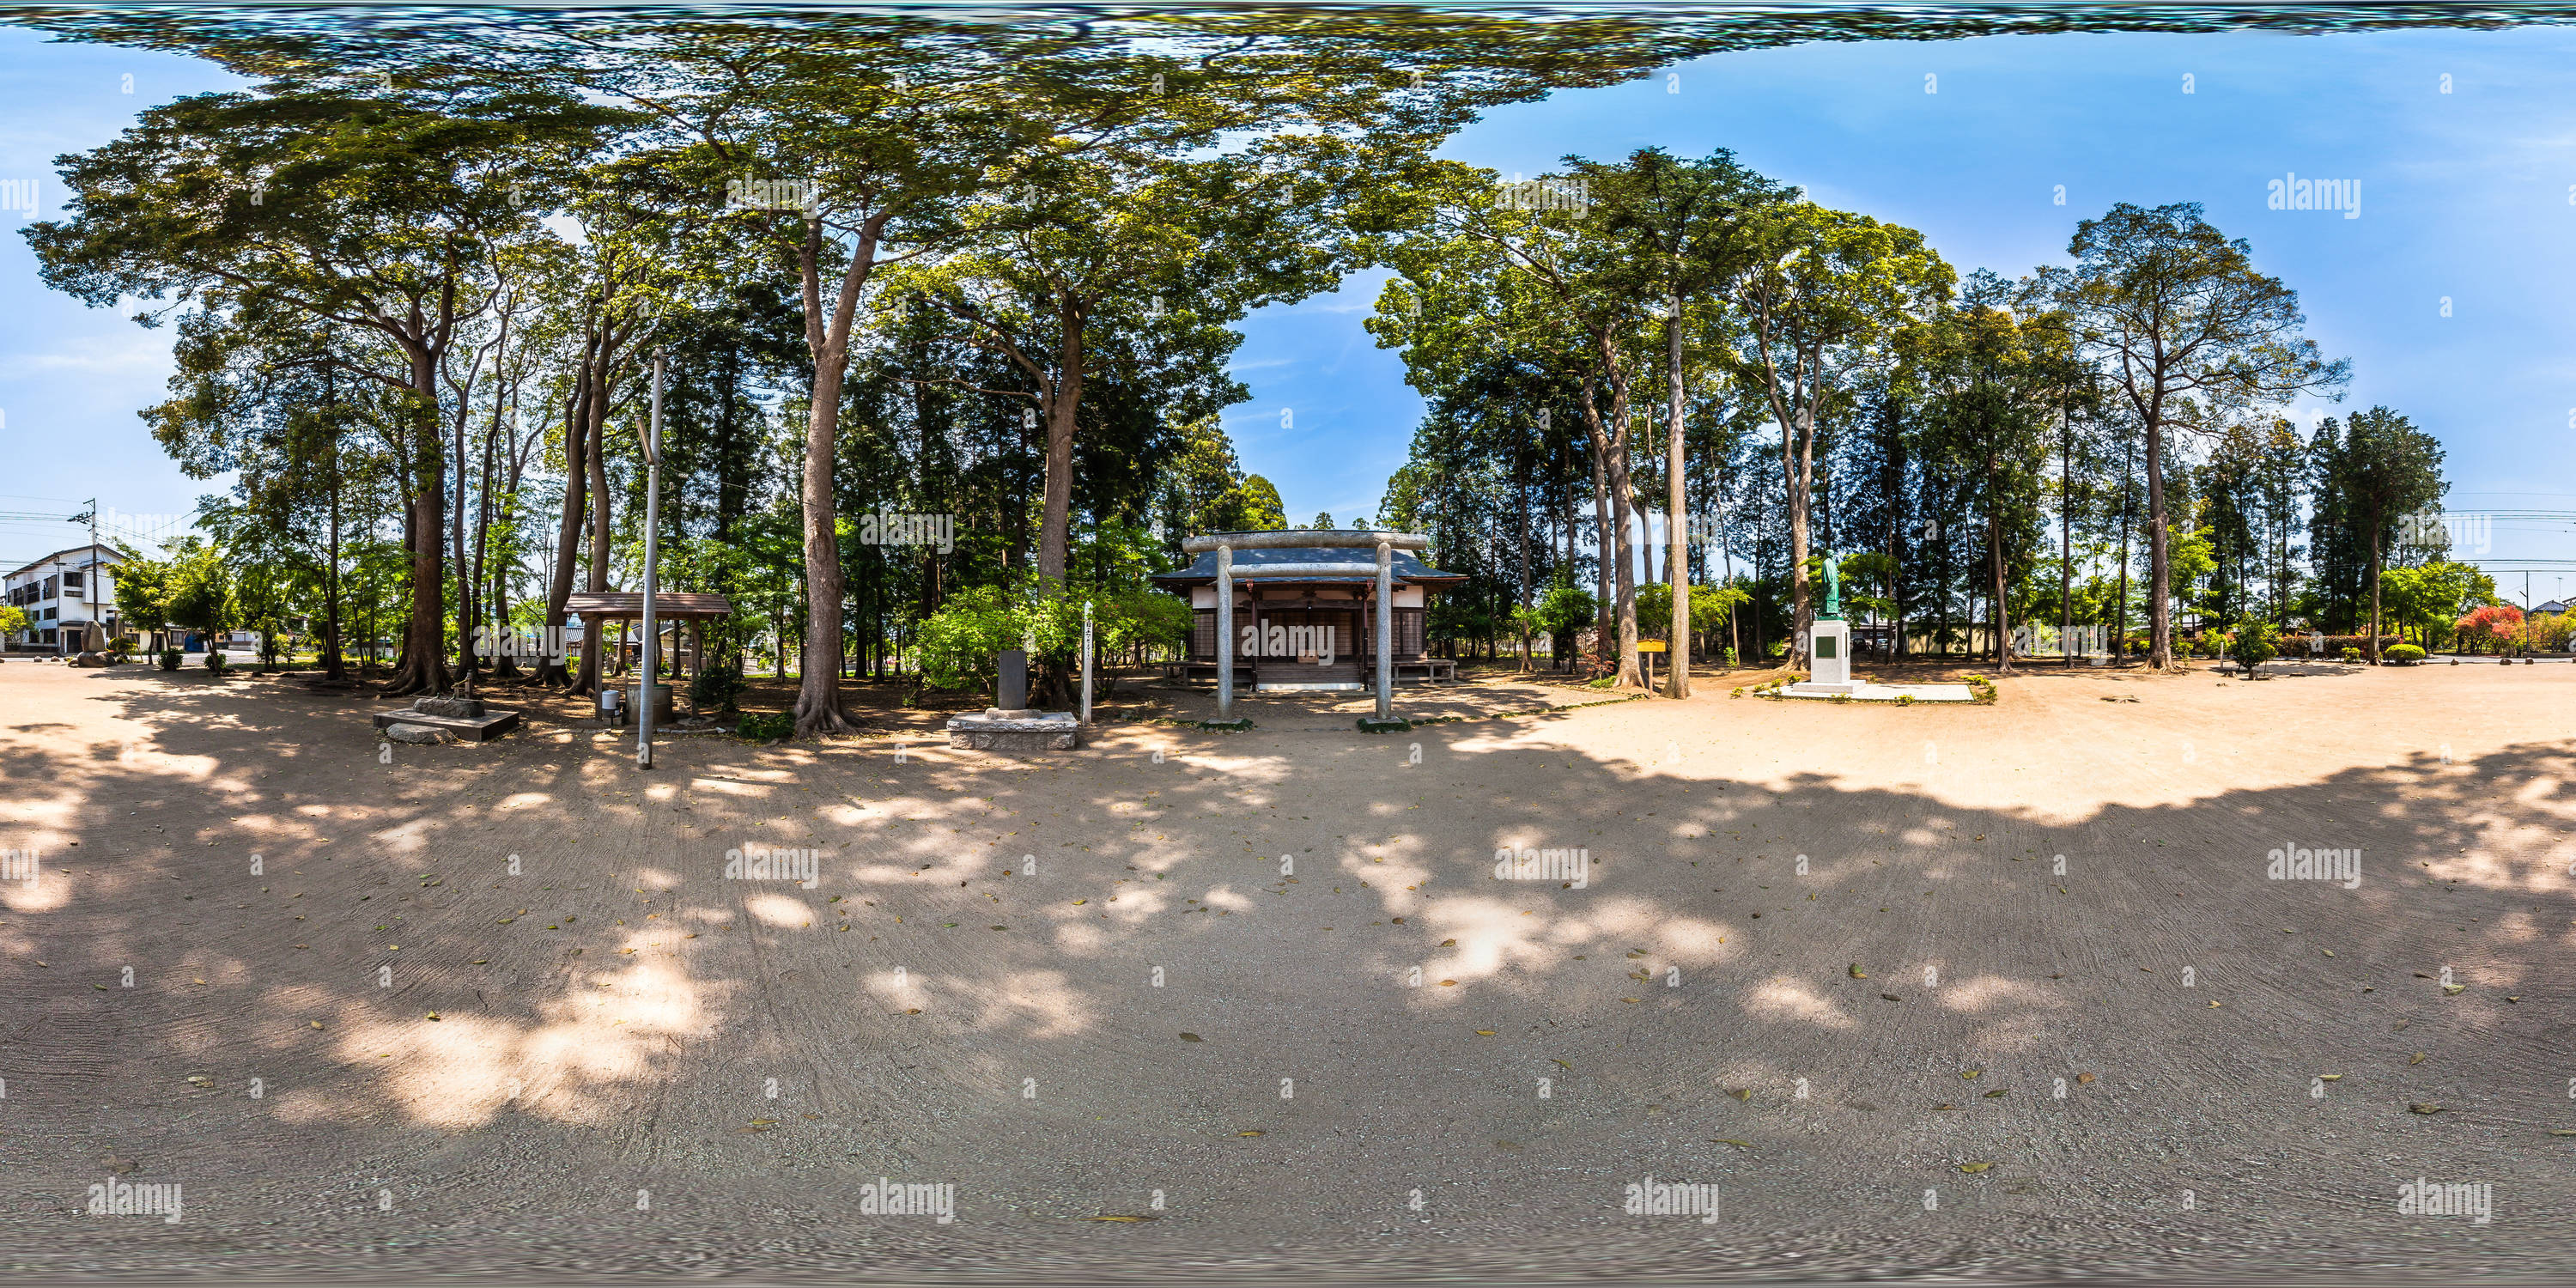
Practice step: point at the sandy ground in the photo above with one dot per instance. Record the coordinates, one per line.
(499, 1008)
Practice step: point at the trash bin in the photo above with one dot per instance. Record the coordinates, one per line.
(612, 707)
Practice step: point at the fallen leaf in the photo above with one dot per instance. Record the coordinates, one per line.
(1122, 1218)
(1448, 983)
(1856, 971)
(1251, 1133)
(1999, 1091)
(1974, 1168)
(1627, 999)
(1448, 943)
(1740, 1093)
(1739, 1144)
(2084, 1077)
(1970, 1074)
(2417, 1059)
(1890, 997)
(1484, 1033)
(2421, 1108)
(1937, 1108)
(1192, 1037)
(2454, 990)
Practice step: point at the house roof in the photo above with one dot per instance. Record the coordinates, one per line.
(1248, 563)
(113, 554)
(2551, 606)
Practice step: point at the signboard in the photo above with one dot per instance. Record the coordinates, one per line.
(1650, 646)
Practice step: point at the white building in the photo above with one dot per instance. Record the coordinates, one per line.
(69, 598)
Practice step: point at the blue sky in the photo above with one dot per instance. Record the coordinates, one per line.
(2468, 195)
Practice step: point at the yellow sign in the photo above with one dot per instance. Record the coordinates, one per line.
(1650, 646)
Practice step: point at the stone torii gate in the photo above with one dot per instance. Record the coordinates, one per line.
(1385, 543)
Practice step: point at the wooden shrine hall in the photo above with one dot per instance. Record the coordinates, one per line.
(1300, 630)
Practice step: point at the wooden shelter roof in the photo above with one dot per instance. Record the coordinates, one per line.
(668, 605)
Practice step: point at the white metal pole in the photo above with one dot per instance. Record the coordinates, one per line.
(1385, 632)
(1086, 661)
(1224, 631)
(652, 552)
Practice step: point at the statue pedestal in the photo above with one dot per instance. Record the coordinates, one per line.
(1829, 658)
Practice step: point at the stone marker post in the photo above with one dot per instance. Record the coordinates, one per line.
(1012, 689)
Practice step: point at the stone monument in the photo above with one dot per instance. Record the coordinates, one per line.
(1012, 728)
(1829, 643)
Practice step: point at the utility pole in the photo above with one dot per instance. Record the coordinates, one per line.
(652, 530)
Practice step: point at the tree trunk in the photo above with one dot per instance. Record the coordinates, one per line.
(2065, 537)
(1677, 559)
(2370, 644)
(1610, 449)
(333, 665)
(819, 709)
(2159, 565)
(1995, 570)
(576, 504)
(592, 641)
(2120, 610)
(1056, 519)
(424, 666)
(1604, 606)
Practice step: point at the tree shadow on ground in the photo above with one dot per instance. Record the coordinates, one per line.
(1797, 962)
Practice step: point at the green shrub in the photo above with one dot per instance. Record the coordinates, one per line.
(171, 658)
(1905, 699)
(2405, 655)
(2252, 645)
(765, 725)
(215, 662)
(714, 688)
(2352, 655)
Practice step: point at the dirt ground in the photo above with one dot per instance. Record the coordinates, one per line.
(1150, 1010)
